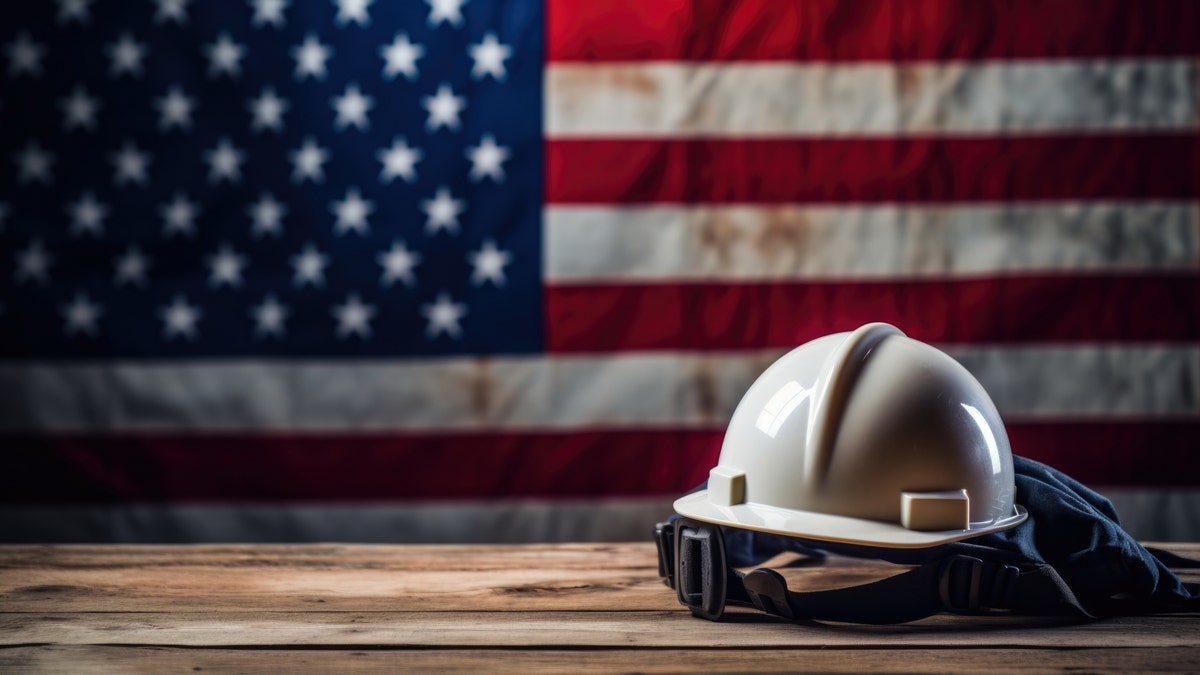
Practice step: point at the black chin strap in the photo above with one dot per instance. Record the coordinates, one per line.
(692, 561)
(959, 584)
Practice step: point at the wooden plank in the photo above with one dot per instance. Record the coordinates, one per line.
(361, 578)
(357, 578)
(365, 577)
(473, 557)
(528, 608)
(575, 629)
(77, 659)
(322, 556)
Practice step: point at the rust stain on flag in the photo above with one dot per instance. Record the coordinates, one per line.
(482, 388)
(704, 386)
(908, 80)
(574, 83)
(783, 232)
(719, 233)
(634, 80)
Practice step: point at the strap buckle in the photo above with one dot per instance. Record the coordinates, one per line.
(664, 538)
(967, 585)
(700, 573)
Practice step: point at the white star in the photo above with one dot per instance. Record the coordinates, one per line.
(224, 57)
(174, 110)
(179, 216)
(81, 315)
(180, 318)
(269, 318)
(79, 110)
(442, 212)
(74, 10)
(267, 214)
(267, 111)
(87, 216)
(352, 108)
(33, 264)
(25, 56)
(131, 165)
(171, 10)
(352, 213)
(486, 159)
(225, 267)
(401, 57)
(353, 317)
(399, 160)
(131, 268)
(309, 267)
(353, 10)
(308, 162)
(398, 264)
(443, 109)
(34, 164)
(445, 10)
(126, 54)
(489, 57)
(310, 57)
(269, 12)
(224, 162)
(444, 316)
(489, 263)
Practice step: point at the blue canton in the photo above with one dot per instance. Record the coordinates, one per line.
(270, 178)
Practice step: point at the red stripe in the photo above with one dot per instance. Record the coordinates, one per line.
(1025, 309)
(1128, 453)
(924, 169)
(858, 30)
(359, 468)
(319, 467)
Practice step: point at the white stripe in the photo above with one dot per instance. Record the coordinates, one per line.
(1155, 515)
(1084, 381)
(587, 244)
(771, 99)
(697, 390)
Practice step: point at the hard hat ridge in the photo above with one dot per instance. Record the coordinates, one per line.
(837, 379)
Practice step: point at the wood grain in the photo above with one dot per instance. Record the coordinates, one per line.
(155, 660)
(675, 628)
(352, 578)
(356, 578)
(528, 608)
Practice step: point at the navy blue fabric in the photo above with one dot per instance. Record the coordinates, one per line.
(1070, 527)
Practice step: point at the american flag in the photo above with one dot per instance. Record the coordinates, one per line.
(488, 264)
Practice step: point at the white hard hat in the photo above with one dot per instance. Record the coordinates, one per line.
(867, 438)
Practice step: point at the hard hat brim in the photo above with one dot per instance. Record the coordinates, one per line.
(826, 527)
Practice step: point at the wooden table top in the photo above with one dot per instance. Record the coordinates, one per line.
(526, 608)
